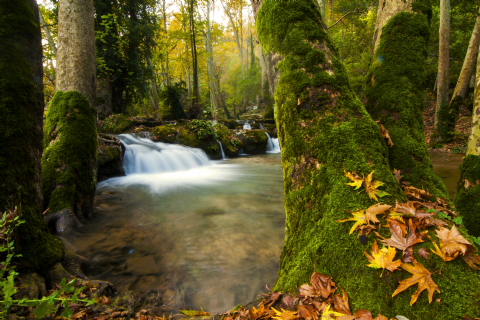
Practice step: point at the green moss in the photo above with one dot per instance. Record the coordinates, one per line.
(467, 200)
(269, 114)
(254, 141)
(229, 123)
(323, 130)
(70, 151)
(116, 123)
(231, 144)
(447, 118)
(20, 150)
(395, 96)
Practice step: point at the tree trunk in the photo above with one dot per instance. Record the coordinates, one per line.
(51, 43)
(467, 197)
(194, 111)
(463, 83)
(323, 130)
(70, 133)
(386, 10)
(443, 65)
(394, 94)
(21, 115)
(238, 36)
(211, 74)
(166, 31)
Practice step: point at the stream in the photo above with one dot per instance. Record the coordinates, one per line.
(198, 233)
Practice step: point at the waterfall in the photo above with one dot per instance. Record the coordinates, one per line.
(247, 126)
(273, 146)
(221, 149)
(145, 156)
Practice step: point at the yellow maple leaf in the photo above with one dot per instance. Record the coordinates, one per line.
(442, 254)
(327, 314)
(382, 258)
(358, 217)
(357, 181)
(371, 186)
(285, 314)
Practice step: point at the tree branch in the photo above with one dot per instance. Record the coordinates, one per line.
(346, 14)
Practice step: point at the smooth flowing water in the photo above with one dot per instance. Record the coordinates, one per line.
(197, 232)
(210, 236)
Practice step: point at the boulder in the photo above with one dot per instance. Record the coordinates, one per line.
(109, 157)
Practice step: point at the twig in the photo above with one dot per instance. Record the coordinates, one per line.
(346, 14)
(165, 304)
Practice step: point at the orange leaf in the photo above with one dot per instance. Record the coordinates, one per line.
(421, 276)
(322, 284)
(382, 258)
(472, 260)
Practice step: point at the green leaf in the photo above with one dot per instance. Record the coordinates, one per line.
(458, 220)
(69, 287)
(67, 313)
(43, 309)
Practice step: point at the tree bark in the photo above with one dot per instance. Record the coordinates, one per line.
(70, 133)
(76, 48)
(21, 116)
(394, 95)
(467, 197)
(194, 111)
(386, 10)
(443, 62)
(211, 74)
(468, 67)
(324, 130)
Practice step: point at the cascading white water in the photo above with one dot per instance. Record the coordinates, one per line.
(273, 146)
(221, 149)
(146, 156)
(247, 126)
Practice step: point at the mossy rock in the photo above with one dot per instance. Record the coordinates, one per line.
(467, 197)
(230, 123)
(109, 158)
(116, 123)
(195, 134)
(231, 144)
(69, 170)
(254, 141)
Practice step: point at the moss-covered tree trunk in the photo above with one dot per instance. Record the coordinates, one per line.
(70, 134)
(467, 197)
(21, 111)
(323, 130)
(394, 95)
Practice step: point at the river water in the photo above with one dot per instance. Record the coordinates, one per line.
(209, 237)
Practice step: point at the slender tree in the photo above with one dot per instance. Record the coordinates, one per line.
(194, 111)
(324, 130)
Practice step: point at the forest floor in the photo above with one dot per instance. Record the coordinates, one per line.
(462, 128)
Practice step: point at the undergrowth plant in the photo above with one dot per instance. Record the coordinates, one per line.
(44, 306)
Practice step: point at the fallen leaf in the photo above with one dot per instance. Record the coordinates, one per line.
(380, 317)
(307, 312)
(372, 212)
(397, 175)
(257, 313)
(421, 276)
(340, 303)
(382, 258)
(358, 217)
(307, 291)
(408, 255)
(452, 241)
(357, 181)
(423, 253)
(363, 314)
(398, 241)
(195, 313)
(327, 314)
(442, 254)
(322, 284)
(371, 187)
(472, 260)
(285, 314)
(416, 193)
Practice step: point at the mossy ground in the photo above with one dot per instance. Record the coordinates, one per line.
(323, 130)
(70, 153)
(395, 96)
(467, 200)
(21, 139)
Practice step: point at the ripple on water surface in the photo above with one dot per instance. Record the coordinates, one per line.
(210, 236)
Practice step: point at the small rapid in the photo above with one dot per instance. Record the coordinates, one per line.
(273, 146)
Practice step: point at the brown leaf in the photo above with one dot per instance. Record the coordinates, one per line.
(285, 315)
(398, 241)
(340, 303)
(288, 301)
(272, 297)
(408, 255)
(307, 291)
(452, 241)
(382, 258)
(345, 317)
(416, 193)
(397, 175)
(307, 312)
(423, 253)
(472, 260)
(365, 229)
(363, 314)
(421, 276)
(322, 284)
(411, 208)
(373, 211)
(380, 317)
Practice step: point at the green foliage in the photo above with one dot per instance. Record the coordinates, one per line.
(171, 106)
(203, 129)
